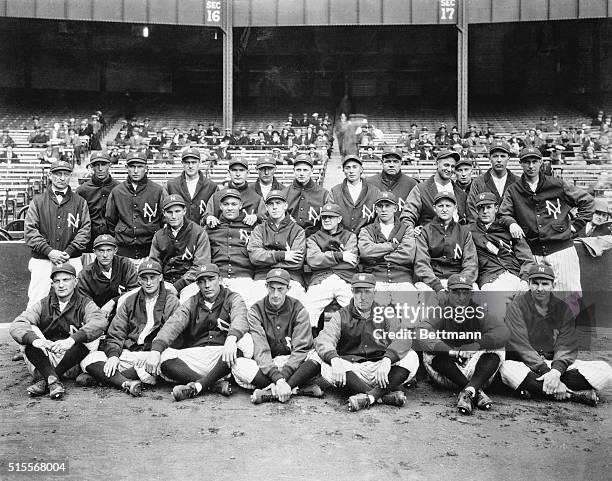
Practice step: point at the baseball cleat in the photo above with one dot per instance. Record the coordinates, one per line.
(483, 401)
(182, 392)
(358, 402)
(86, 380)
(56, 388)
(465, 402)
(222, 387)
(311, 391)
(262, 396)
(39, 388)
(394, 398)
(588, 397)
(133, 388)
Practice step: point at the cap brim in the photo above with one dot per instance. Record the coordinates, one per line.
(104, 244)
(502, 149)
(461, 285)
(206, 274)
(266, 164)
(278, 279)
(275, 197)
(62, 271)
(540, 275)
(395, 156)
(149, 271)
(363, 284)
(172, 204)
(529, 156)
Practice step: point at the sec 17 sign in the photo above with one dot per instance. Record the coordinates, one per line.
(213, 13)
(447, 12)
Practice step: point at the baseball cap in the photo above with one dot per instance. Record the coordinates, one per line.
(191, 152)
(278, 275)
(601, 205)
(392, 152)
(457, 281)
(499, 145)
(541, 271)
(444, 153)
(104, 240)
(486, 198)
(276, 194)
(99, 156)
(363, 280)
(149, 266)
(351, 157)
(60, 165)
(307, 159)
(529, 152)
(229, 193)
(65, 267)
(445, 195)
(207, 270)
(463, 161)
(238, 161)
(331, 210)
(134, 157)
(173, 199)
(386, 197)
(265, 161)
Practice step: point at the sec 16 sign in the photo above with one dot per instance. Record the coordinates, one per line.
(447, 12)
(213, 12)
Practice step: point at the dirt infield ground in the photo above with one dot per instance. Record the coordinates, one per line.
(106, 434)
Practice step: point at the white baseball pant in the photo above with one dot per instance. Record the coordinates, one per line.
(566, 266)
(40, 277)
(245, 370)
(319, 296)
(127, 360)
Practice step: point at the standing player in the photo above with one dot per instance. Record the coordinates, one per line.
(57, 230)
(266, 166)
(463, 173)
(392, 179)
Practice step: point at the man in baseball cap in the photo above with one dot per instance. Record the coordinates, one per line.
(363, 358)
(278, 370)
(266, 181)
(392, 179)
(600, 223)
(463, 173)
(541, 354)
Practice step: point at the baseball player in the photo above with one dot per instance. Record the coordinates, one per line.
(495, 180)
(600, 223)
(332, 255)
(133, 211)
(444, 248)
(57, 332)
(354, 196)
(57, 229)
(355, 351)
(277, 242)
(463, 174)
(470, 357)
(266, 166)
(180, 247)
(96, 191)
(123, 363)
(541, 354)
(282, 339)
(419, 207)
(252, 203)
(387, 249)
(192, 185)
(208, 331)
(537, 208)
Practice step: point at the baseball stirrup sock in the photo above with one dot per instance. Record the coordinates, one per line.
(261, 381)
(178, 370)
(40, 361)
(73, 356)
(307, 370)
(448, 368)
(131, 374)
(217, 372)
(355, 384)
(486, 367)
(575, 381)
(96, 369)
(397, 377)
(531, 385)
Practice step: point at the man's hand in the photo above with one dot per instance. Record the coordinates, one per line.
(283, 390)
(61, 346)
(338, 372)
(491, 248)
(350, 258)
(212, 221)
(551, 381)
(152, 363)
(465, 355)
(108, 308)
(417, 230)
(58, 257)
(111, 365)
(382, 372)
(294, 256)
(516, 231)
(561, 393)
(230, 351)
(250, 219)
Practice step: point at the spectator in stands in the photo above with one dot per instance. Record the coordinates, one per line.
(38, 138)
(606, 125)
(222, 152)
(276, 156)
(314, 155)
(86, 130)
(57, 230)
(463, 173)
(6, 140)
(472, 140)
(8, 155)
(404, 139)
(229, 137)
(244, 138)
(304, 122)
(598, 119)
(48, 155)
(261, 139)
(266, 167)
(133, 211)
(36, 122)
(532, 140)
(291, 139)
(600, 224)
(212, 129)
(427, 152)
(340, 131)
(268, 133)
(56, 132)
(192, 136)
(136, 140)
(156, 143)
(290, 157)
(442, 138)
(391, 178)
(96, 191)
(145, 128)
(364, 138)
(95, 134)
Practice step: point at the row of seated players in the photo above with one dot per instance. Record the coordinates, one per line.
(270, 348)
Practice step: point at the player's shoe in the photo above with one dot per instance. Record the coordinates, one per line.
(311, 391)
(56, 388)
(483, 401)
(465, 402)
(133, 387)
(222, 387)
(358, 402)
(263, 396)
(39, 388)
(86, 380)
(394, 398)
(182, 392)
(588, 397)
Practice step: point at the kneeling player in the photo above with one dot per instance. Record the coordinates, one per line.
(282, 338)
(354, 351)
(457, 361)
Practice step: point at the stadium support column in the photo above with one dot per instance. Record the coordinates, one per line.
(462, 66)
(228, 66)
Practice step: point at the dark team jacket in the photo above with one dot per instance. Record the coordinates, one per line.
(324, 254)
(197, 325)
(544, 215)
(228, 247)
(352, 337)
(399, 184)
(304, 203)
(180, 256)
(196, 206)
(276, 185)
(603, 229)
(134, 216)
(252, 203)
(355, 215)
(131, 319)
(49, 225)
(96, 193)
(268, 244)
(99, 288)
(535, 338)
(514, 255)
(484, 183)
